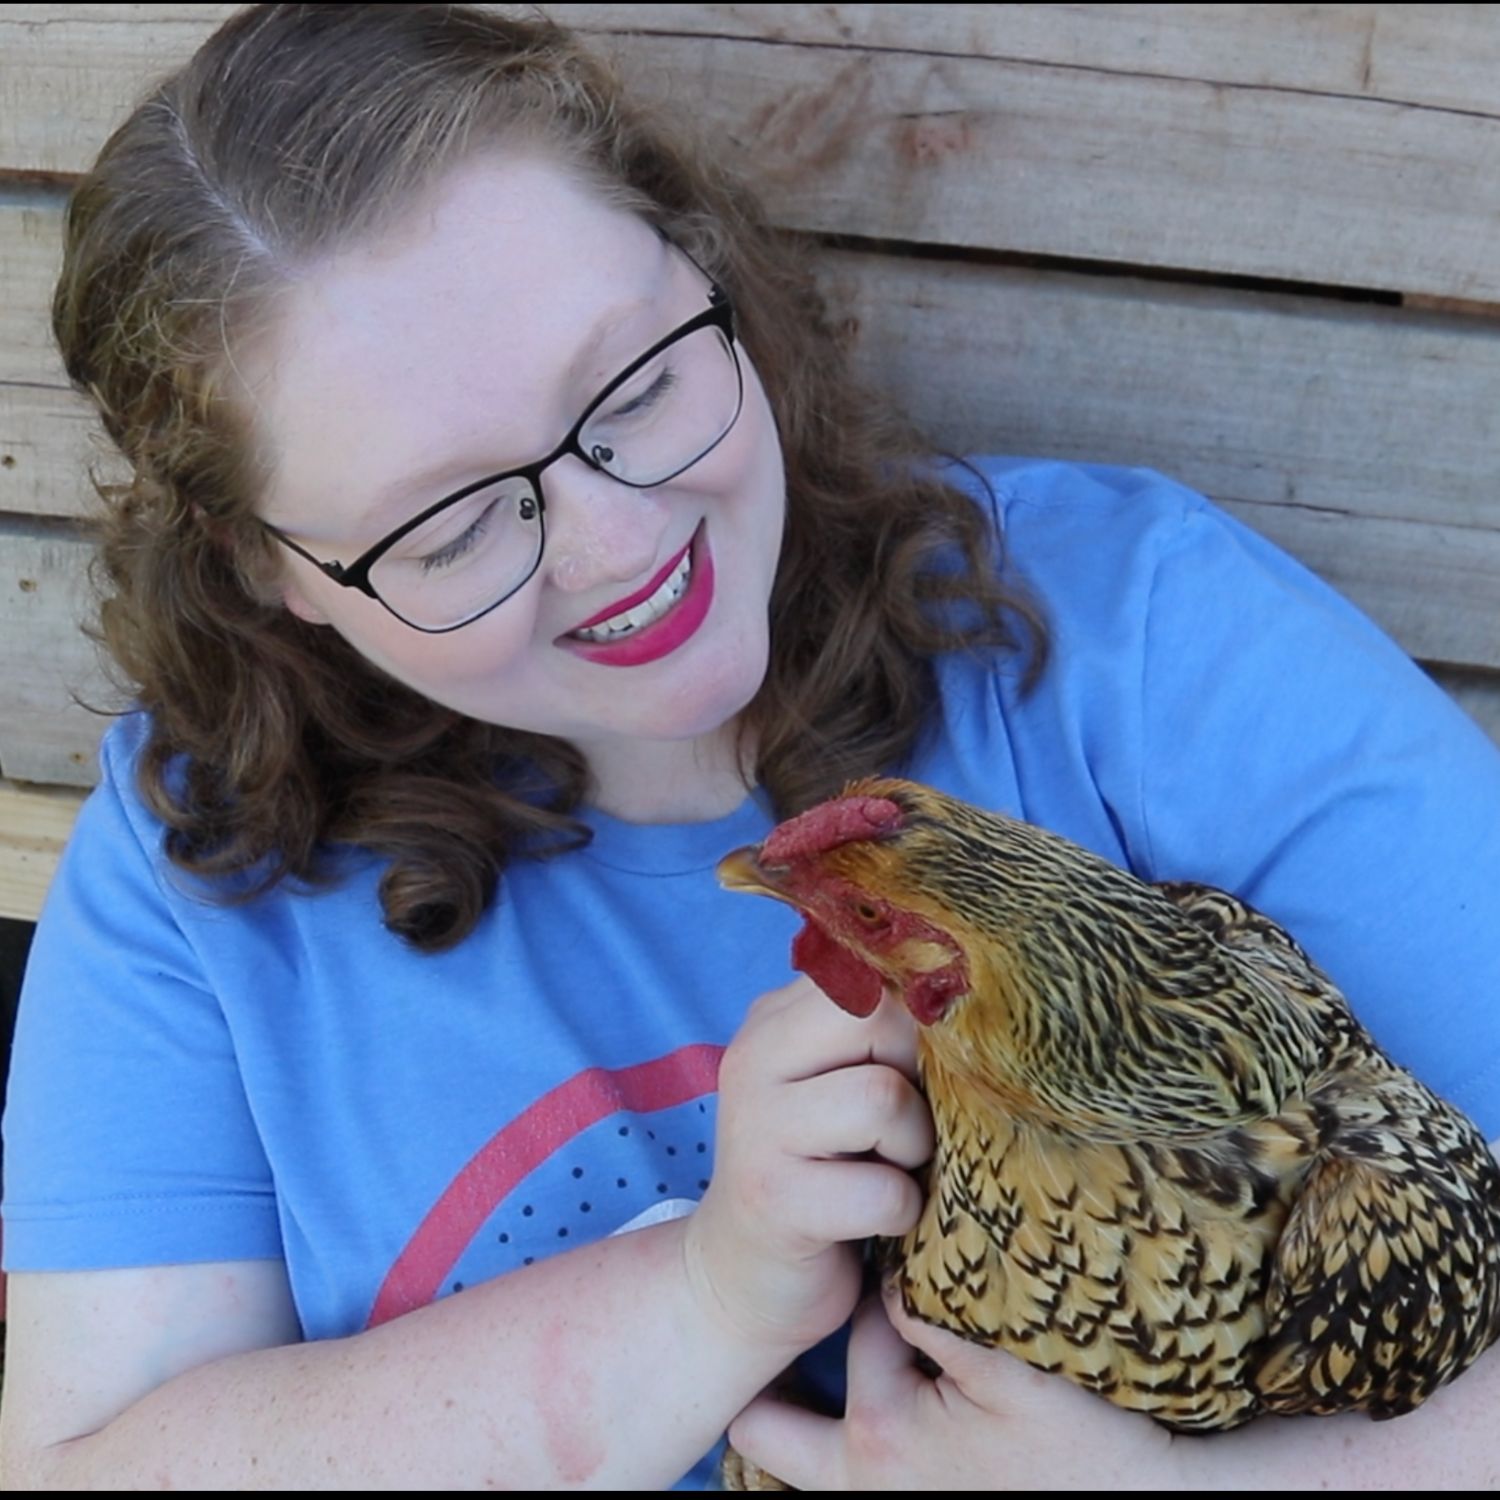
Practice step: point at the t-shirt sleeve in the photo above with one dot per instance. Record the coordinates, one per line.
(1292, 753)
(128, 1139)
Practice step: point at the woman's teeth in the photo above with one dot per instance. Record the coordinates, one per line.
(647, 610)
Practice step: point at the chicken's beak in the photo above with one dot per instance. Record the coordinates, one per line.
(740, 870)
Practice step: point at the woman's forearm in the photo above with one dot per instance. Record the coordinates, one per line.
(603, 1367)
(1451, 1442)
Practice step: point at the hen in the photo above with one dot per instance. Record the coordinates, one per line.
(1171, 1165)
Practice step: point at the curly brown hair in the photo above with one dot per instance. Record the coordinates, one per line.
(299, 128)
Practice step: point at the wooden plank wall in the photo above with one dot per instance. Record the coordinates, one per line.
(1253, 246)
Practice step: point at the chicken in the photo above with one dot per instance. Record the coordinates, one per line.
(1171, 1165)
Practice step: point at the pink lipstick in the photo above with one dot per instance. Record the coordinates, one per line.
(661, 637)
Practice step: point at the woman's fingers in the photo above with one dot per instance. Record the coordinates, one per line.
(798, 1032)
(855, 1111)
(830, 1202)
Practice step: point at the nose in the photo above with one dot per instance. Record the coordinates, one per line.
(599, 531)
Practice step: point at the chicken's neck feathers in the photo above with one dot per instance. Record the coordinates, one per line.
(1113, 1057)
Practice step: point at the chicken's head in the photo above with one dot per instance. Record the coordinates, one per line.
(1058, 983)
(844, 865)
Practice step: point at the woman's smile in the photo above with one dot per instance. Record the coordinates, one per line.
(655, 620)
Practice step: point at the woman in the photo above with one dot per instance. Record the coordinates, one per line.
(506, 543)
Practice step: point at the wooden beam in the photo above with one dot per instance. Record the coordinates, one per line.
(1440, 56)
(1477, 693)
(921, 124)
(48, 670)
(30, 257)
(1251, 397)
(50, 442)
(1247, 396)
(34, 826)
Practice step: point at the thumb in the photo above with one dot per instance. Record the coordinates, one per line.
(943, 1347)
(789, 1442)
(985, 1374)
(882, 1361)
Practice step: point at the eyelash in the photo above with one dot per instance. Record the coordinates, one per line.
(650, 396)
(460, 544)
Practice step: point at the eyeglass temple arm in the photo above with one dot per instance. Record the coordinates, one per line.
(335, 570)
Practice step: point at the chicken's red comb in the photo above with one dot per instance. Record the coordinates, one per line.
(845, 820)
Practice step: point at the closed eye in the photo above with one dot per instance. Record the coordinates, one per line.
(639, 405)
(462, 543)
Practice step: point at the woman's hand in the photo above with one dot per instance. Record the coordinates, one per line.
(987, 1422)
(819, 1127)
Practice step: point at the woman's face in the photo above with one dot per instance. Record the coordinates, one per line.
(469, 340)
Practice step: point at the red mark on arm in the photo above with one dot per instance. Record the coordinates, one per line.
(562, 1385)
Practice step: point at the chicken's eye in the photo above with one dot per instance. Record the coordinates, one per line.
(867, 914)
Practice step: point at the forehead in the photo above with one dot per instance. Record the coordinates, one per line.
(462, 334)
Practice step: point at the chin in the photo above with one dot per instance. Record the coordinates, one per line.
(716, 694)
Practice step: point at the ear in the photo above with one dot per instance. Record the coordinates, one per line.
(300, 605)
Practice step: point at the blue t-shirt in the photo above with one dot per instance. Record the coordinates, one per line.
(288, 1080)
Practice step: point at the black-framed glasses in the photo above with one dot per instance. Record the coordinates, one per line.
(470, 551)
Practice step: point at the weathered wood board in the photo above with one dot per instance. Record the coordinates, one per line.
(47, 667)
(50, 443)
(1441, 56)
(923, 125)
(1264, 399)
(34, 826)
(30, 256)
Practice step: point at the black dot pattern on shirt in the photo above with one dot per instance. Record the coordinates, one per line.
(671, 1149)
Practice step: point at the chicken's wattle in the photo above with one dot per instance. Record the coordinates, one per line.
(843, 976)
